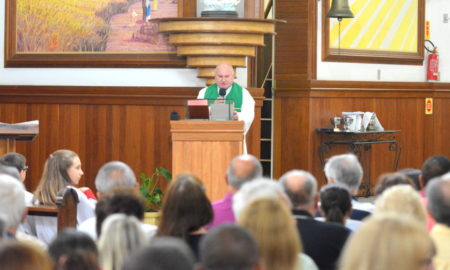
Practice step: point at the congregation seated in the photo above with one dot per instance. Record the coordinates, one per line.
(336, 206)
(389, 241)
(62, 169)
(185, 211)
(322, 241)
(264, 210)
(120, 236)
(346, 170)
(164, 252)
(75, 250)
(229, 246)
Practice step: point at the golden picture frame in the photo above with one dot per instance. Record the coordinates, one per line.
(377, 34)
(19, 54)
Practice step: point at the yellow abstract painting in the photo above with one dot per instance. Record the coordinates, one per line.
(381, 25)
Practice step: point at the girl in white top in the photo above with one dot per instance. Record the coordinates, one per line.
(62, 169)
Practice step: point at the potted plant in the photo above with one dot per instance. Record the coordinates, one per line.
(152, 193)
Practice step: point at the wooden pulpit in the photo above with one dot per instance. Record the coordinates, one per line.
(205, 148)
(10, 133)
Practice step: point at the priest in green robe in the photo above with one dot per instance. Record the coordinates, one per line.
(225, 88)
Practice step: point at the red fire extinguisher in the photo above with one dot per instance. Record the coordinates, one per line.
(433, 64)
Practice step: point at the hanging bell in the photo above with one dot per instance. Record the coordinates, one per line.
(339, 9)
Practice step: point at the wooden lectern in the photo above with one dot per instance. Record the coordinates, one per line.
(10, 133)
(205, 148)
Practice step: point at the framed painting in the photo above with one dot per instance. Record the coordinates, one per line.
(101, 33)
(381, 31)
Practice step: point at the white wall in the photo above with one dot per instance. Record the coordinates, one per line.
(440, 35)
(99, 76)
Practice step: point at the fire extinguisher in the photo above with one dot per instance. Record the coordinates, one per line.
(433, 62)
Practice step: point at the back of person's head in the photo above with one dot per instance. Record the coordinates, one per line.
(54, 176)
(72, 249)
(11, 171)
(335, 202)
(121, 235)
(401, 199)
(114, 174)
(271, 223)
(414, 175)
(12, 200)
(122, 200)
(78, 260)
(257, 189)
(346, 170)
(388, 241)
(163, 253)
(438, 194)
(15, 255)
(70, 240)
(185, 209)
(433, 167)
(243, 168)
(300, 186)
(387, 180)
(15, 160)
(229, 247)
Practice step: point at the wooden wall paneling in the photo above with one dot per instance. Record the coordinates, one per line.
(441, 116)
(379, 159)
(101, 124)
(291, 134)
(398, 106)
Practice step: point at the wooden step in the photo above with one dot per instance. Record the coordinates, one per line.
(213, 61)
(213, 50)
(206, 72)
(216, 38)
(219, 26)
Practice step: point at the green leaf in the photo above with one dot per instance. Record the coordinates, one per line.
(166, 174)
(149, 187)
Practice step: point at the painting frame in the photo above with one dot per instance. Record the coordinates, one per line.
(373, 56)
(13, 59)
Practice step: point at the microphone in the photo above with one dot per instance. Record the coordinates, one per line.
(222, 92)
(174, 116)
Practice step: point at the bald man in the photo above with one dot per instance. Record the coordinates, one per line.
(242, 168)
(322, 241)
(244, 104)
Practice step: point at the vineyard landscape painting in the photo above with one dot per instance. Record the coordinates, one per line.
(91, 26)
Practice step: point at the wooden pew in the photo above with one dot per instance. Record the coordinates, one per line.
(65, 210)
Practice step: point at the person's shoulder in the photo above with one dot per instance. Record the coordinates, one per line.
(88, 223)
(332, 227)
(28, 198)
(202, 92)
(89, 227)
